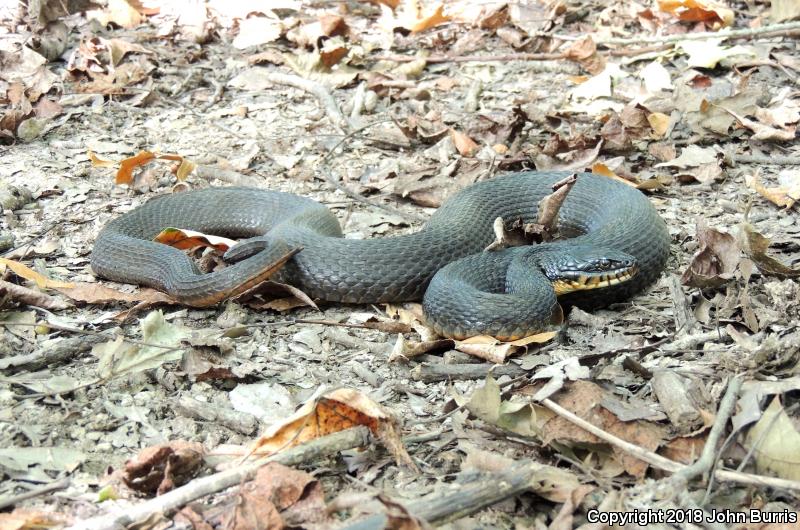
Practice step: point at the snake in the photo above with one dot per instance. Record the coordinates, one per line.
(612, 245)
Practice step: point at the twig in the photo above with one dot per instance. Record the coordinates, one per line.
(457, 372)
(708, 456)
(175, 499)
(689, 342)
(63, 351)
(642, 454)
(317, 90)
(666, 464)
(226, 175)
(241, 422)
(555, 61)
(35, 492)
(723, 34)
(463, 500)
(473, 58)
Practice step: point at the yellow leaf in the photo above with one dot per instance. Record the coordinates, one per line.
(43, 282)
(659, 122)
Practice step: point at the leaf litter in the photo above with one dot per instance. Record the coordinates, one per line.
(705, 125)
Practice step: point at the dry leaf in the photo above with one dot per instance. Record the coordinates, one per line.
(755, 246)
(495, 351)
(331, 412)
(776, 443)
(162, 468)
(659, 122)
(279, 497)
(126, 166)
(584, 52)
(582, 398)
(463, 143)
(188, 239)
(94, 293)
(698, 10)
(429, 21)
(715, 261)
(785, 195)
(23, 271)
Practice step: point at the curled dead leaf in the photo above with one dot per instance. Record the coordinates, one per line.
(330, 412)
(161, 468)
(715, 261)
(755, 246)
(784, 195)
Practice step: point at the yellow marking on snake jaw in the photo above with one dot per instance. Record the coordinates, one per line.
(585, 283)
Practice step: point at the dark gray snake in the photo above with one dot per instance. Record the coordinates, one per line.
(506, 294)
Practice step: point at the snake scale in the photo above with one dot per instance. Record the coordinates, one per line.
(507, 294)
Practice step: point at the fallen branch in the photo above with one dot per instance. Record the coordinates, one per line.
(456, 372)
(466, 499)
(175, 499)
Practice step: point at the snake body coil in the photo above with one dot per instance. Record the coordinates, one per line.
(469, 297)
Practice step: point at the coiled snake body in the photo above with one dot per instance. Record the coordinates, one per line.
(507, 294)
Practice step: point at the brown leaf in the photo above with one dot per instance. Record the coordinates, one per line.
(715, 261)
(662, 151)
(161, 468)
(126, 166)
(755, 246)
(685, 450)
(47, 109)
(275, 489)
(584, 52)
(496, 351)
(119, 12)
(95, 293)
(463, 143)
(698, 11)
(762, 131)
(426, 22)
(25, 296)
(331, 412)
(582, 398)
(270, 290)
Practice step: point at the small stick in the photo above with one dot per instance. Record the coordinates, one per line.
(319, 91)
(175, 499)
(666, 464)
(35, 492)
(466, 499)
(459, 372)
(708, 456)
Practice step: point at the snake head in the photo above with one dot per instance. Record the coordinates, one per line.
(584, 267)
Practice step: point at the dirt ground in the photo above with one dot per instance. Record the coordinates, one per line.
(361, 107)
